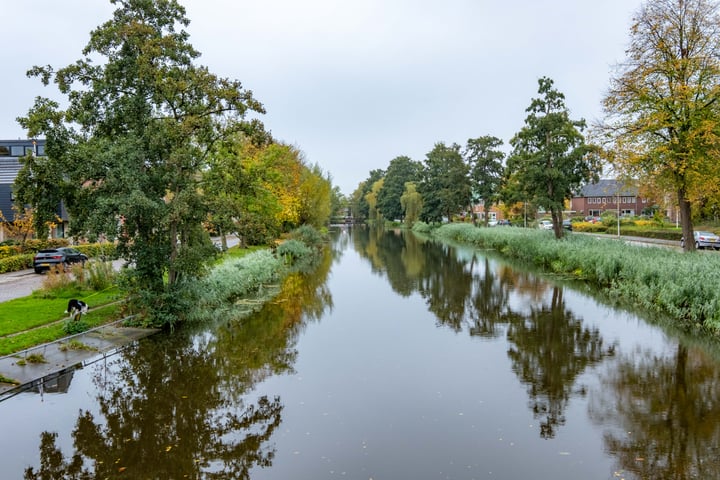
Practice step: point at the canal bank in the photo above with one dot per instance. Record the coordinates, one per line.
(44, 364)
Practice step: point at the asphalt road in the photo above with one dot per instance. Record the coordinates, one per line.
(19, 284)
(24, 282)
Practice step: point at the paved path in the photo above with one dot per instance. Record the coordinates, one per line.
(59, 359)
(18, 284)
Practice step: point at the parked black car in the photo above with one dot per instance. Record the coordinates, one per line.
(57, 257)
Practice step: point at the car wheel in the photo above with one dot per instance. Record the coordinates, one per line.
(697, 246)
(38, 270)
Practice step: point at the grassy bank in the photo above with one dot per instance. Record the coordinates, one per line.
(239, 274)
(684, 286)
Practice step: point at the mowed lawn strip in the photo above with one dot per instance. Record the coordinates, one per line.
(24, 313)
(54, 329)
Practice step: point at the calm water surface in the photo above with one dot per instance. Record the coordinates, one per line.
(399, 359)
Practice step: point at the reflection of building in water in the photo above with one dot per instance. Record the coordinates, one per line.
(54, 383)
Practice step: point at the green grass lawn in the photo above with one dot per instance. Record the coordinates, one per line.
(38, 318)
(20, 329)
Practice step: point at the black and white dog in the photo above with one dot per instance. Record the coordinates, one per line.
(76, 308)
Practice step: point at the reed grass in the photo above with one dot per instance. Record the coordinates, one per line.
(685, 286)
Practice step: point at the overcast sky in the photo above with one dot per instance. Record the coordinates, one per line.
(356, 83)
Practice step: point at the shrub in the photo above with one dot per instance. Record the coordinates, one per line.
(589, 227)
(99, 275)
(15, 263)
(10, 250)
(292, 250)
(234, 279)
(55, 281)
(73, 327)
(421, 227)
(103, 251)
(307, 235)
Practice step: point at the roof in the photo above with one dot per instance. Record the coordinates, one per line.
(609, 188)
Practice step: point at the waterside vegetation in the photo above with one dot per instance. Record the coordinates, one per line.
(680, 285)
(243, 279)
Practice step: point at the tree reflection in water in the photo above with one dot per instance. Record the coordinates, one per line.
(661, 414)
(550, 349)
(177, 406)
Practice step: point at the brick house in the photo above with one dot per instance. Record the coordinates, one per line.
(479, 213)
(609, 195)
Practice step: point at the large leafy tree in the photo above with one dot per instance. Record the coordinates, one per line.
(411, 203)
(550, 158)
(359, 205)
(371, 198)
(129, 148)
(486, 169)
(445, 184)
(316, 193)
(236, 189)
(662, 106)
(400, 171)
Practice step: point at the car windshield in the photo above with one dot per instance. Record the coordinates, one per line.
(705, 234)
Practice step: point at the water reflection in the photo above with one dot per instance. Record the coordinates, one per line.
(380, 394)
(661, 414)
(178, 406)
(550, 346)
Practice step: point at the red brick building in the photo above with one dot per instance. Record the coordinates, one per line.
(609, 195)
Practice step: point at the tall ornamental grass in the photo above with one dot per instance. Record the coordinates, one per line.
(685, 286)
(252, 279)
(238, 278)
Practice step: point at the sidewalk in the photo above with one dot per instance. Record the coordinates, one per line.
(99, 342)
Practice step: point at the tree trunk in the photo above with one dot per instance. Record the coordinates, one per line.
(557, 222)
(686, 220)
(172, 271)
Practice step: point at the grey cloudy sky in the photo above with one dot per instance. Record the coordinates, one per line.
(356, 83)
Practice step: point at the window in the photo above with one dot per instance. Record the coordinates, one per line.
(17, 150)
(4, 150)
(627, 213)
(41, 150)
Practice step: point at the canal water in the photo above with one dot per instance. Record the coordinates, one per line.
(399, 358)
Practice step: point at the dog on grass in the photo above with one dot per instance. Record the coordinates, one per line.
(76, 308)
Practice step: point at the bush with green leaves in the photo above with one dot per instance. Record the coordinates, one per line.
(16, 262)
(292, 250)
(421, 227)
(99, 275)
(681, 285)
(74, 326)
(232, 280)
(307, 235)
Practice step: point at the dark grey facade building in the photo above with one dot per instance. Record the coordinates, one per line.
(10, 153)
